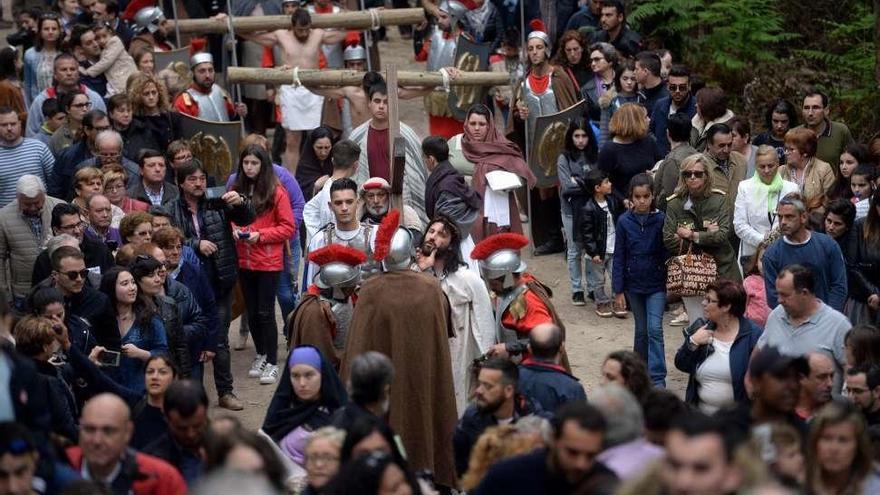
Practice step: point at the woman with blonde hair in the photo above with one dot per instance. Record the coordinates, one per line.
(495, 444)
(697, 219)
(839, 454)
(152, 105)
(631, 150)
(116, 190)
(87, 182)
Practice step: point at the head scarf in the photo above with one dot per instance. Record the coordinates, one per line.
(310, 168)
(495, 153)
(287, 412)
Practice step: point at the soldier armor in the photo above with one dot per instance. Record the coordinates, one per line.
(442, 51)
(539, 104)
(212, 106)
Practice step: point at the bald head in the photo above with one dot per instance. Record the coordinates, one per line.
(545, 342)
(107, 405)
(105, 430)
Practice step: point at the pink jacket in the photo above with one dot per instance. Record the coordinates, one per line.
(756, 300)
(276, 226)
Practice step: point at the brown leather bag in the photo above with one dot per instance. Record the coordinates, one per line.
(689, 274)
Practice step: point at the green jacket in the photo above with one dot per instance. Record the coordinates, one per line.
(668, 173)
(704, 212)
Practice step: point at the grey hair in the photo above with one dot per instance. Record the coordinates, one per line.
(621, 410)
(109, 134)
(330, 433)
(228, 482)
(535, 425)
(59, 240)
(30, 186)
(370, 373)
(607, 50)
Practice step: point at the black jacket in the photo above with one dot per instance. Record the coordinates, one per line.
(170, 314)
(137, 138)
(863, 260)
(531, 474)
(95, 254)
(628, 42)
(29, 394)
(194, 321)
(593, 230)
(222, 266)
(61, 401)
(474, 422)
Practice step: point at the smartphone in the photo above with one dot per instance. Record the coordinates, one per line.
(109, 358)
(214, 197)
(244, 235)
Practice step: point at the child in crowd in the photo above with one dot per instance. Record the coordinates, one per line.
(779, 445)
(53, 118)
(862, 184)
(756, 297)
(115, 62)
(639, 273)
(598, 218)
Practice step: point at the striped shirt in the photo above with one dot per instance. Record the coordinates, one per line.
(28, 157)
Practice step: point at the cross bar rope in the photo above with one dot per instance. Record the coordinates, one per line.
(359, 20)
(338, 78)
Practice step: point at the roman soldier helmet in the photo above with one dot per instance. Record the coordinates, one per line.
(539, 31)
(149, 18)
(498, 256)
(201, 58)
(394, 244)
(354, 52)
(340, 268)
(456, 9)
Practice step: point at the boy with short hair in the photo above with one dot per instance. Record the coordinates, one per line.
(598, 219)
(53, 118)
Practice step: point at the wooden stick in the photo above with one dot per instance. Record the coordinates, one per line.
(338, 78)
(359, 19)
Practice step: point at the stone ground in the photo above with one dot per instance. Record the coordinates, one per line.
(589, 337)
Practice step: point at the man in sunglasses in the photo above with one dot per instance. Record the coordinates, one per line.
(679, 100)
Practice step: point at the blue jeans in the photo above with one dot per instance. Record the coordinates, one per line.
(647, 310)
(573, 255)
(287, 293)
(596, 278)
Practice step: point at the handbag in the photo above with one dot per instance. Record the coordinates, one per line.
(689, 274)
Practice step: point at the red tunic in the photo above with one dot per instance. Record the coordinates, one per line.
(377, 153)
(536, 313)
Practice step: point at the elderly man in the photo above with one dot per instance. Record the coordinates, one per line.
(108, 147)
(66, 78)
(103, 453)
(204, 98)
(100, 213)
(815, 385)
(24, 227)
(375, 195)
(369, 388)
(19, 155)
(541, 375)
(60, 182)
(627, 452)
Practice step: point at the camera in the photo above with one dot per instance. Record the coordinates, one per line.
(214, 198)
(109, 358)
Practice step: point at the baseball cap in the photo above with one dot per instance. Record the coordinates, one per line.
(770, 360)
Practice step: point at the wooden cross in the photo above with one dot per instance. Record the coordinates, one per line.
(396, 144)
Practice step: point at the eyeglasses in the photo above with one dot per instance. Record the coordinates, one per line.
(87, 104)
(73, 275)
(77, 225)
(693, 174)
(677, 87)
(321, 459)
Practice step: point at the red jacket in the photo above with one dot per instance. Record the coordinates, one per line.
(276, 226)
(154, 476)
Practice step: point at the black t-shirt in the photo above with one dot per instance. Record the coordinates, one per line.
(622, 162)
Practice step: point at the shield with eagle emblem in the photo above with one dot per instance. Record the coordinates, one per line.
(548, 141)
(469, 57)
(215, 144)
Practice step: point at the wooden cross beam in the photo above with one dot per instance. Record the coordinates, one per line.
(338, 78)
(358, 20)
(396, 144)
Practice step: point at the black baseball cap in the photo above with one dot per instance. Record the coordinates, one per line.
(770, 360)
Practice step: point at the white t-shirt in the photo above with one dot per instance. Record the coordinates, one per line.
(714, 379)
(609, 220)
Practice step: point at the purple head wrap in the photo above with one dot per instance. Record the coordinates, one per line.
(305, 355)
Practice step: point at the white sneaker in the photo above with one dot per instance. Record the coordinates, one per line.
(257, 366)
(270, 374)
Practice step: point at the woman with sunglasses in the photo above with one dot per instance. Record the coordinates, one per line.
(136, 228)
(716, 349)
(139, 326)
(697, 219)
(38, 60)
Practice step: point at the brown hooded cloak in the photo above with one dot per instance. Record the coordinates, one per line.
(312, 323)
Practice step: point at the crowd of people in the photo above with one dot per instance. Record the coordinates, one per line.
(418, 353)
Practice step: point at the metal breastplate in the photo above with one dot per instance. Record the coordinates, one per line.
(342, 311)
(361, 242)
(212, 106)
(442, 51)
(504, 335)
(332, 51)
(539, 104)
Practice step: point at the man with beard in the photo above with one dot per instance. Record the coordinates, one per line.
(152, 28)
(470, 306)
(376, 197)
(205, 99)
(345, 229)
(616, 31)
(546, 89)
(568, 464)
(300, 46)
(863, 388)
(321, 319)
(496, 402)
(405, 315)
(522, 302)
(369, 388)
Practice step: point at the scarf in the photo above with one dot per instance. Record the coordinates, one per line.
(444, 178)
(770, 190)
(496, 152)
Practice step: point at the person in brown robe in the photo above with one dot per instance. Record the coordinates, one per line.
(314, 322)
(405, 315)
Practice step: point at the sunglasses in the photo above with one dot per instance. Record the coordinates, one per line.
(697, 174)
(678, 87)
(73, 275)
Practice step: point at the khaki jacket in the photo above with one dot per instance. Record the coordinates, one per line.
(818, 180)
(19, 247)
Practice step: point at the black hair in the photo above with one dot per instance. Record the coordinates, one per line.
(716, 129)
(185, 396)
(300, 18)
(380, 88)
(143, 308)
(60, 210)
(66, 99)
(696, 424)
(872, 374)
(6, 110)
(117, 101)
(661, 407)
(679, 127)
(436, 146)
(509, 371)
(802, 277)
(864, 170)
(586, 416)
(650, 61)
(371, 78)
(92, 116)
(166, 357)
(817, 92)
(343, 184)
(364, 475)
(16, 439)
(261, 189)
(345, 154)
(148, 153)
(42, 297)
(188, 168)
(679, 70)
(76, 34)
(7, 62)
(50, 108)
(843, 208)
(572, 153)
(547, 350)
(642, 180)
(781, 106)
(593, 179)
(362, 427)
(451, 257)
(479, 109)
(634, 371)
(617, 4)
(86, 487)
